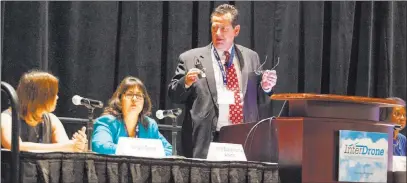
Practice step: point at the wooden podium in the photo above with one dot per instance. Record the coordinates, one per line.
(306, 143)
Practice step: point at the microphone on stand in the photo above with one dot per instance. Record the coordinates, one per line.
(89, 103)
(172, 113)
(397, 127)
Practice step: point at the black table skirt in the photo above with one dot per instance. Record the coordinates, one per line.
(88, 167)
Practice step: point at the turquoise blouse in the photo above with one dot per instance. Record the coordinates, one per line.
(108, 129)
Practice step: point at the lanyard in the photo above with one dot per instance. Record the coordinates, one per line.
(229, 62)
(136, 135)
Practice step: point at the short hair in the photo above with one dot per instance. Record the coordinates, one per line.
(386, 112)
(36, 90)
(114, 107)
(224, 9)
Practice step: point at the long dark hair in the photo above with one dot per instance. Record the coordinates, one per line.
(114, 107)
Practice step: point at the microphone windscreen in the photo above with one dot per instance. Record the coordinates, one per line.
(76, 100)
(159, 114)
(178, 111)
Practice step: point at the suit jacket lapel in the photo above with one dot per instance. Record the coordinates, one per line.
(239, 53)
(206, 60)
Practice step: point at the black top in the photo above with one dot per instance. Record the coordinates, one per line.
(42, 133)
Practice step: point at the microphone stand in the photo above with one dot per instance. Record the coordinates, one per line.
(89, 126)
(174, 136)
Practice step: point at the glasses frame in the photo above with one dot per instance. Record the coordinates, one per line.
(130, 96)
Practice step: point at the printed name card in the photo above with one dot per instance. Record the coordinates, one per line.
(128, 146)
(226, 152)
(399, 164)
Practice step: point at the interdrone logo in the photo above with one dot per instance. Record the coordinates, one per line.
(356, 149)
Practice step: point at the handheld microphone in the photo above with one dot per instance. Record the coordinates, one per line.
(199, 66)
(172, 113)
(89, 103)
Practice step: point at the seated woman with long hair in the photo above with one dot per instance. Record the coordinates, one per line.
(40, 129)
(126, 116)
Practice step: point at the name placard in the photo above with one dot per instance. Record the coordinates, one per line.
(399, 164)
(226, 152)
(128, 146)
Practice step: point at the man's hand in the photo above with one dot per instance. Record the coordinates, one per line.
(192, 77)
(268, 80)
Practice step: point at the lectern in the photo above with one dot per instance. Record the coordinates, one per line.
(305, 144)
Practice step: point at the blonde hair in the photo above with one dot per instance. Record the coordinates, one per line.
(36, 91)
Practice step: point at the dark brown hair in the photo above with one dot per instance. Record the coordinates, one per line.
(36, 90)
(114, 107)
(224, 9)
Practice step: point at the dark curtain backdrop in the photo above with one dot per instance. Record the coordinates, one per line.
(346, 48)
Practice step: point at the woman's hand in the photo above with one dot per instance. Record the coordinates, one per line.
(80, 141)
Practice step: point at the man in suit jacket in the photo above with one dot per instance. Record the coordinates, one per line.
(229, 92)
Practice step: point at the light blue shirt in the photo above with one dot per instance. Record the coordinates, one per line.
(399, 146)
(108, 129)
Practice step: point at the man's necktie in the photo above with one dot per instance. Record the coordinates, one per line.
(236, 109)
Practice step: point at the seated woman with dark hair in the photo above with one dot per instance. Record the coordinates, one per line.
(398, 117)
(40, 129)
(126, 116)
